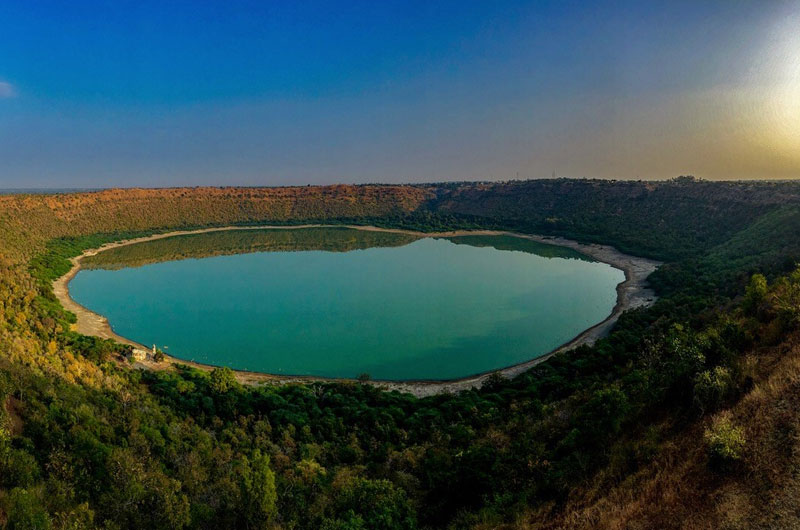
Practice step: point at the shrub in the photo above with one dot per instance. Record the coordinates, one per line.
(711, 387)
(725, 441)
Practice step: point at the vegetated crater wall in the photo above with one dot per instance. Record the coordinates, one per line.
(28, 221)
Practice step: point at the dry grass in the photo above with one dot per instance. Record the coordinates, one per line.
(678, 489)
(30, 220)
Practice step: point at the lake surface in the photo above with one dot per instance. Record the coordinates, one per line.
(339, 302)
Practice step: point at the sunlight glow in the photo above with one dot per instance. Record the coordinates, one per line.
(786, 64)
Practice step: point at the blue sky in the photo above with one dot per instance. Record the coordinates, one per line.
(120, 93)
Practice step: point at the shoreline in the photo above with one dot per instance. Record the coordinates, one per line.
(632, 293)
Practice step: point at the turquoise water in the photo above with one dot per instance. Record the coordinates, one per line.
(424, 309)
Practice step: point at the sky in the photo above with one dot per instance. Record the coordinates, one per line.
(173, 93)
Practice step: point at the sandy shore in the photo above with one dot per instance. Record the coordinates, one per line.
(631, 293)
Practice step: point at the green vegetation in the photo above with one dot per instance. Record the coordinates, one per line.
(241, 242)
(86, 441)
(725, 441)
(519, 244)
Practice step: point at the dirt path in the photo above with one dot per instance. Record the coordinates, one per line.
(631, 293)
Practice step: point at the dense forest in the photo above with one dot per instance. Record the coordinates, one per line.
(686, 415)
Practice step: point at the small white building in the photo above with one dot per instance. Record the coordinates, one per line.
(138, 354)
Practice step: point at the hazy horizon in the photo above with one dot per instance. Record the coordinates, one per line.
(54, 190)
(98, 95)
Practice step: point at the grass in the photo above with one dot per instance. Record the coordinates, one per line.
(679, 489)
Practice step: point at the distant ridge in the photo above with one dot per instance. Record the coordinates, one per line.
(45, 191)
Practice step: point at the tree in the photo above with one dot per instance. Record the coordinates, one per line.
(258, 491)
(141, 495)
(602, 415)
(755, 294)
(81, 517)
(785, 298)
(222, 380)
(25, 511)
(367, 503)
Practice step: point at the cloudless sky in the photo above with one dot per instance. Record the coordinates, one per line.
(158, 93)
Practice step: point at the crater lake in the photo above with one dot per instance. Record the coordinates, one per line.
(339, 302)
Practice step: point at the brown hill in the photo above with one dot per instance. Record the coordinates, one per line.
(29, 220)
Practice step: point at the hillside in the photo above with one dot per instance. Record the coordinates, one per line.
(610, 436)
(30, 220)
(667, 220)
(239, 242)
